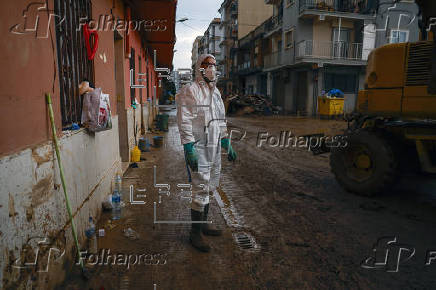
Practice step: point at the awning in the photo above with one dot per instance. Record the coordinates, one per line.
(157, 27)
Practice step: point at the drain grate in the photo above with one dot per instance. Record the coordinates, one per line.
(246, 241)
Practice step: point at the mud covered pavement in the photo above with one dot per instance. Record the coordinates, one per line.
(287, 223)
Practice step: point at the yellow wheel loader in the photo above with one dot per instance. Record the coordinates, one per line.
(393, 127)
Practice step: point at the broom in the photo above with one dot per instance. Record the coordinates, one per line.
(61, 171)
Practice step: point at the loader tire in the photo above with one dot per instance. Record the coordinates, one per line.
(366, 166)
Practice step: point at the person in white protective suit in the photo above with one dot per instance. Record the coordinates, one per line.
(203, 131)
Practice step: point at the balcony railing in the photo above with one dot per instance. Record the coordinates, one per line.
(329, 50)
(350, 6)
(273, 23)
(245, 65)
(273, 59)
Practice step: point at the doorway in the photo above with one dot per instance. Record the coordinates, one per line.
(301, 93)
(278, 92)
(121, 100)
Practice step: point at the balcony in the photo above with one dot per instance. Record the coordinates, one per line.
(213, 38)
(336, 50)
(227, 42)
(245, 65)
(249, 67)
(352, 8)
(273, 59)
(273, 24)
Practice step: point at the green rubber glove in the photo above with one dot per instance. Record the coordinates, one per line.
(231, 154)
(190, 156)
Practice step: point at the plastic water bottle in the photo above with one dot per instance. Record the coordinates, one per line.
(116, 205)
(92, 237)
(118, 185)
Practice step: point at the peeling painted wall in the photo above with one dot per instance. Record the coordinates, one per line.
(32, 203)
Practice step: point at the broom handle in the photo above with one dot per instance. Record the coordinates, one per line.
(58, 155)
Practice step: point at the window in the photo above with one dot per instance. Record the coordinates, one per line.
(340, 42)
(73, 64)
(345, 35)
(289, 38)
(345, 82)
(398, 36)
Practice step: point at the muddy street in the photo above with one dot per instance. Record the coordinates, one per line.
(287, 223)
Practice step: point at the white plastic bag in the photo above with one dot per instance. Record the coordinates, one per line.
(96, 115)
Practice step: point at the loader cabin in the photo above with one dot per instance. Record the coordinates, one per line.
(396, 83)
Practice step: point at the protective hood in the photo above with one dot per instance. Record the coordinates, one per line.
(201, 58)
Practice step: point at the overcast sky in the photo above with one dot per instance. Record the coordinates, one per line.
(200, 14)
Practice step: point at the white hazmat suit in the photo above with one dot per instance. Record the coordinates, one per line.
(201, 119)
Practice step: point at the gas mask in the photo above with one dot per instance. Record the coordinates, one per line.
(209, 74)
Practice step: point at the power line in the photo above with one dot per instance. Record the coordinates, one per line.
(191, 27)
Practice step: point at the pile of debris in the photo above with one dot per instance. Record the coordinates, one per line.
(250, 104)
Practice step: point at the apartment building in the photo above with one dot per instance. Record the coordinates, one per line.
(195, 51)
(209, 43)
(213, 36)
(250, 63)
(238, 19)
(313, 46)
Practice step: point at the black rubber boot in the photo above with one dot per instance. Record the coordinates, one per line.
(207, 228)
(196, 237)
